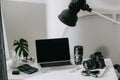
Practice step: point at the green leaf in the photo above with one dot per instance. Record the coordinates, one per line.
(26, 48)
(24, 45)
(21, 47)
(20, 52)
(25, 53)
(15, 43)
(23, 41)
(17, 48)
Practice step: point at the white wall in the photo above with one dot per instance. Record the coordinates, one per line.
(25, 20)
(33, 1)
(28, 20)
(96, 34)
(92, 32)
(55, 28)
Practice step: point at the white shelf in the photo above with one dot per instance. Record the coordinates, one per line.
(100, 13)
(32, 1)
(105, 4)
(103, 7)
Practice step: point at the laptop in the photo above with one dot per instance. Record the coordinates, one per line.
(53, 53)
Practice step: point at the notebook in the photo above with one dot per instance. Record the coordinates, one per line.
(53, 53)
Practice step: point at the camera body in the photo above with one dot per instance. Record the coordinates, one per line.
(96, 61)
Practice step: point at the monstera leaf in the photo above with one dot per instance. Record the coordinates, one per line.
(21, 47)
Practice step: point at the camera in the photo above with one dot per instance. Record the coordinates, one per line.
(96, 61)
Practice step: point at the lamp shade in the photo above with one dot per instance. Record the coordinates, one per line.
(68, 17)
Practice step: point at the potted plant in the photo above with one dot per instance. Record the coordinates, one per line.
(21, 47)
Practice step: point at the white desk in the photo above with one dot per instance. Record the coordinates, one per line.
(64, 74)
(21, 76)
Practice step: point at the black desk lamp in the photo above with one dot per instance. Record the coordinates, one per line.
(69, 16)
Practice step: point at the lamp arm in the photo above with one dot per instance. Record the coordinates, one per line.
(110, 19)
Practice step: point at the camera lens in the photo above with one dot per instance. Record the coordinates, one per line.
(78, 54)
(88, 64)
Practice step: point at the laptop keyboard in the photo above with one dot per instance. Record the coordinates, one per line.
(56, 64)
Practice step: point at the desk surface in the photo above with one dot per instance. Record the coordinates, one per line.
(64, 74)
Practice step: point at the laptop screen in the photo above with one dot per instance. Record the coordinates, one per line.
(52, 50)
